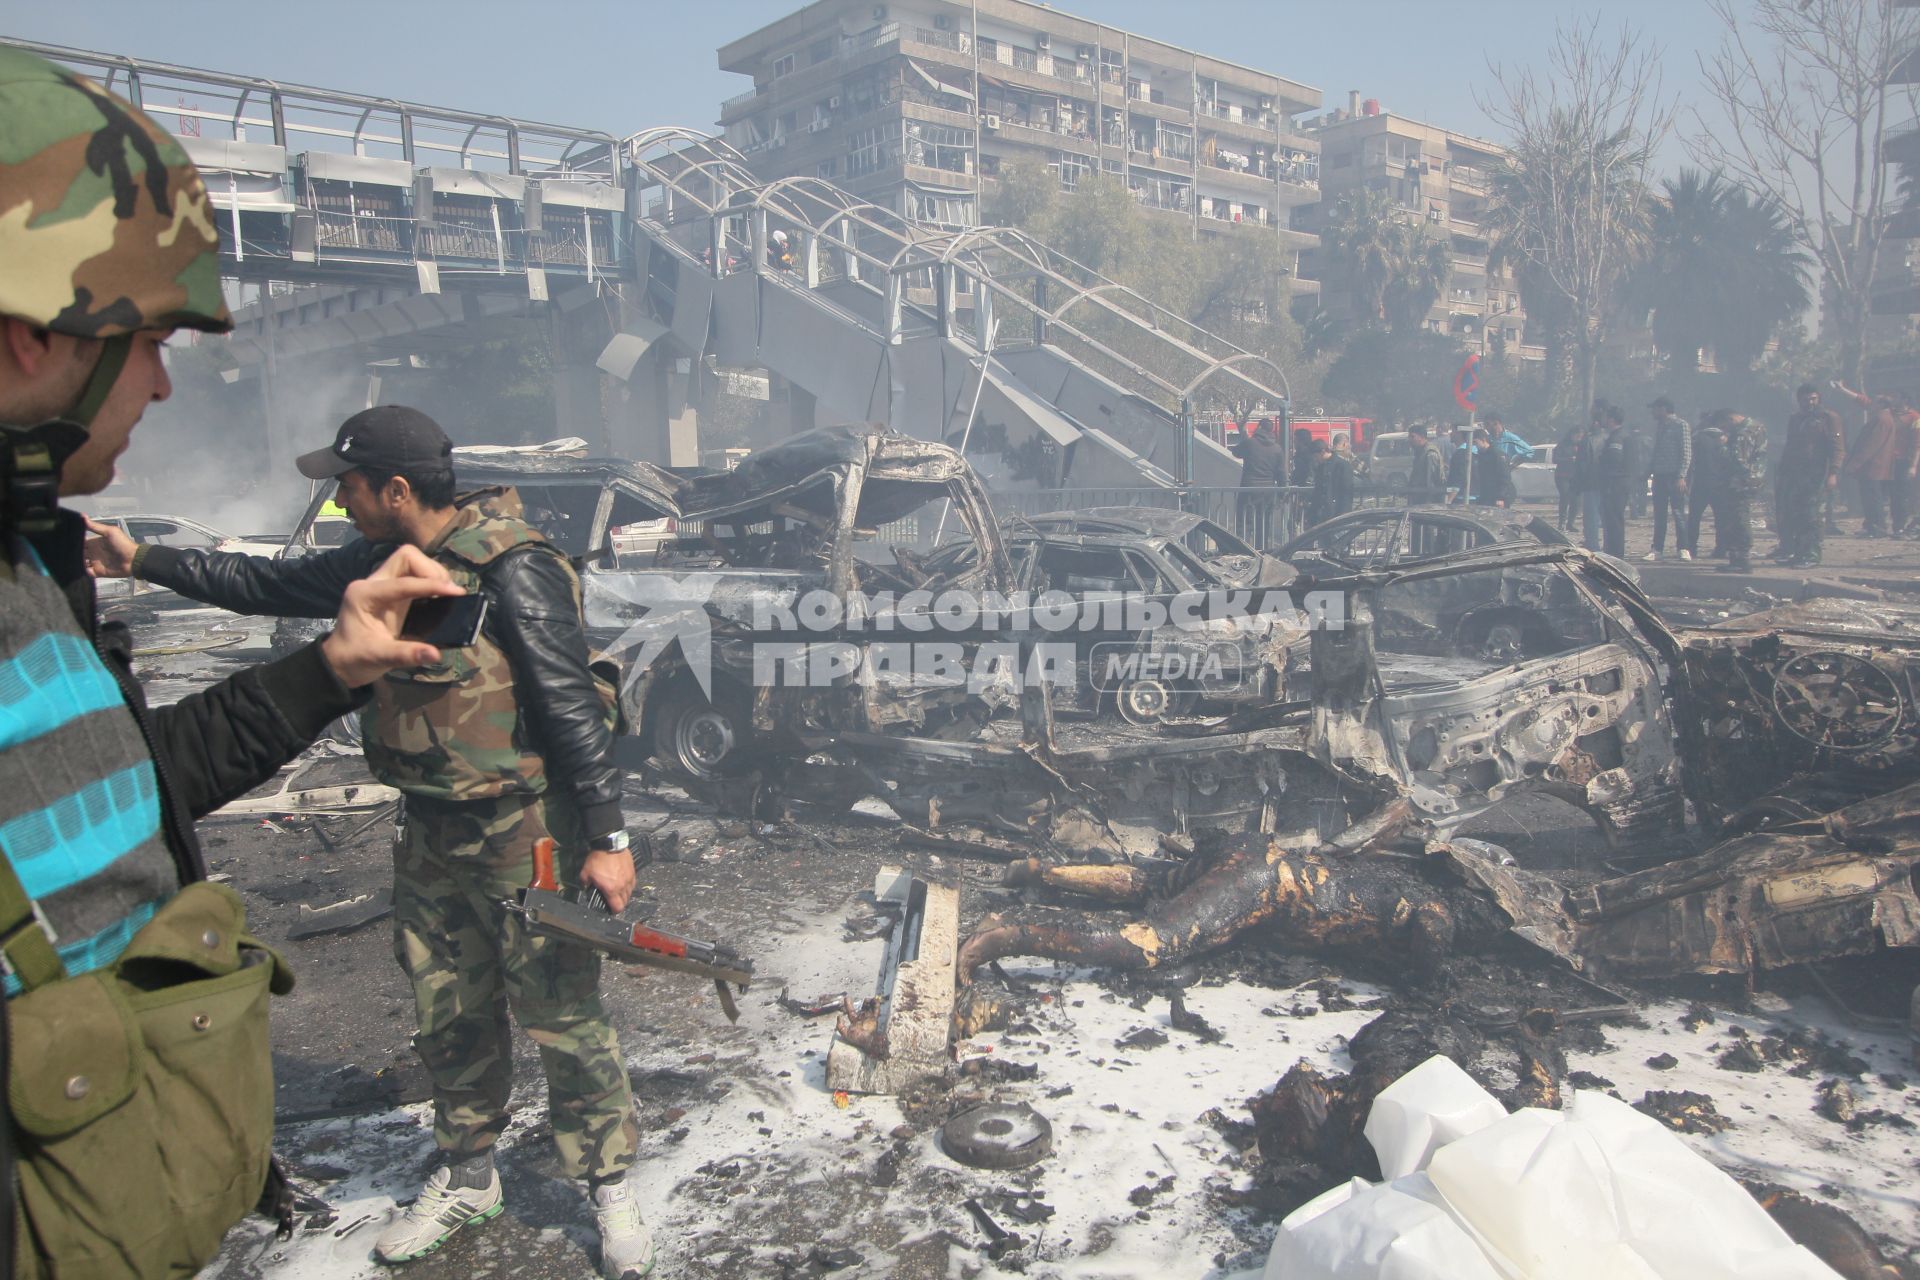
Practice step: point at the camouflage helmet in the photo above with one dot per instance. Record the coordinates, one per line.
(105, 227)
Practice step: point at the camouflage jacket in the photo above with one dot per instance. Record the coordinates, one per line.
(1747, 457)
(453, 730)
(562, 732)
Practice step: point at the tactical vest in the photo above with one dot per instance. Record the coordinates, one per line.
(454, 730)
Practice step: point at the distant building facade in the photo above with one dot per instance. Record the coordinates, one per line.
(917, 106)
(1443, 179)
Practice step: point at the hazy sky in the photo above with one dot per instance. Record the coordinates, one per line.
(624, 65)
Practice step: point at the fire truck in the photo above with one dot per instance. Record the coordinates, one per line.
(1228, 431)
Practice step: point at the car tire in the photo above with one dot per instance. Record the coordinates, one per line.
(1145, 703)
(700, 740)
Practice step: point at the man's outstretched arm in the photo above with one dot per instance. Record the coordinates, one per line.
(307, 587)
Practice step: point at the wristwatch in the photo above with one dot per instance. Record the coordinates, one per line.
(612, 842)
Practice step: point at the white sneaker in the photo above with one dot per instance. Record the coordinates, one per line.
(1685, 554)
(1651, 556)
(439, 1211)
(626, 1246)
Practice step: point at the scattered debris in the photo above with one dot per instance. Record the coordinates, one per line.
(343, 917)
(902, 1033)
(997, 1136)
(1184, 1019)
(1000, 1241)
(1683, 1111)
(817, 1007)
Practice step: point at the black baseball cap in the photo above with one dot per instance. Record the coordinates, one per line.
(387, 437)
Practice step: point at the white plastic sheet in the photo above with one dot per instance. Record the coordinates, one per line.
(1600, 1191)
(1400, 1230)
(1595, 1192)
(1422, 1111)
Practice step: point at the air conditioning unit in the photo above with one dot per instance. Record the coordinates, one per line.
(820, 126)
(990, 123)
(1042, 41)
(833, 103)
(942, 21)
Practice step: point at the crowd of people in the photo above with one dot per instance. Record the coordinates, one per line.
(1608, 469)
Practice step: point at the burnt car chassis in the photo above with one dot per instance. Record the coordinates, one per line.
(1292, 811)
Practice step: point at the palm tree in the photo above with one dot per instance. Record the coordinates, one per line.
(1361, 238)
(1723, 271)
(1422, 265)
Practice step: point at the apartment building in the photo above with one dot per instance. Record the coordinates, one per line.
(917, 106)
(1442, 178)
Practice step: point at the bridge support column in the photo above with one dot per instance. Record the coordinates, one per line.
(654, 418)
(790, 410)
(577, 403)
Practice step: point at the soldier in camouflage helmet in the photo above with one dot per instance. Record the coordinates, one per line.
(496, 746)
(122, 1160)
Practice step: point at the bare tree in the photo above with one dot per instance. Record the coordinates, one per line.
(1571, 208)
(1806, 86)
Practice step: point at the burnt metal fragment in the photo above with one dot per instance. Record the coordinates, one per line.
(998, 1136)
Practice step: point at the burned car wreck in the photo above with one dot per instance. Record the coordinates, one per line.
(1332, 823)
(806, 531)
(1149, 675)
(1520, 612)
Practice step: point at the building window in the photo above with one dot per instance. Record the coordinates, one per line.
(872, 149)
(828, 168)
(1072, 168)
(939, 146)
(946, 209)
(820, 52)
(786, 123)
(783, 66)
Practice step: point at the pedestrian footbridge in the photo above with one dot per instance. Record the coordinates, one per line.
(379, 227)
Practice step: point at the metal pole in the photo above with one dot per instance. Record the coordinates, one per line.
(966, 434)
(1186, 441)
(1466, 484)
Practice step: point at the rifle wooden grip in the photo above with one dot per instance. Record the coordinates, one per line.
(543, 877)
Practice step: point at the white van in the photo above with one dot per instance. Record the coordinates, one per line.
(1389, 461)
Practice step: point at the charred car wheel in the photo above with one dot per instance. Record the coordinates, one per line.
(1144, 703)
(699, 739)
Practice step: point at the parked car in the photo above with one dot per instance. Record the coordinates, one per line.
(1512, 612)
(1388, 464)
(176, 531)
(1113, 552)
(1225, 558)
(1533, 479)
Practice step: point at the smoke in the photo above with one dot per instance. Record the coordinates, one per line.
(208, 452)
(223, 452)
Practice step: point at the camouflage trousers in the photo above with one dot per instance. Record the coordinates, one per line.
(470, 961)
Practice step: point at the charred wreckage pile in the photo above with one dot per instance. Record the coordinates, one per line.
(1301, 789)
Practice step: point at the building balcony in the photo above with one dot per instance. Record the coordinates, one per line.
(1252, 126)
(744, 104)
(1253, 178)
(1177, 112)
(1038, 133)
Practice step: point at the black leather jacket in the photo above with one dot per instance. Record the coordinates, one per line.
(531, 615)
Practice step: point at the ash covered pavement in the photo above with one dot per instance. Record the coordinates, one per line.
(1171, 1153)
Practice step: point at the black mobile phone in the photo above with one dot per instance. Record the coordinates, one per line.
(446, 622)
